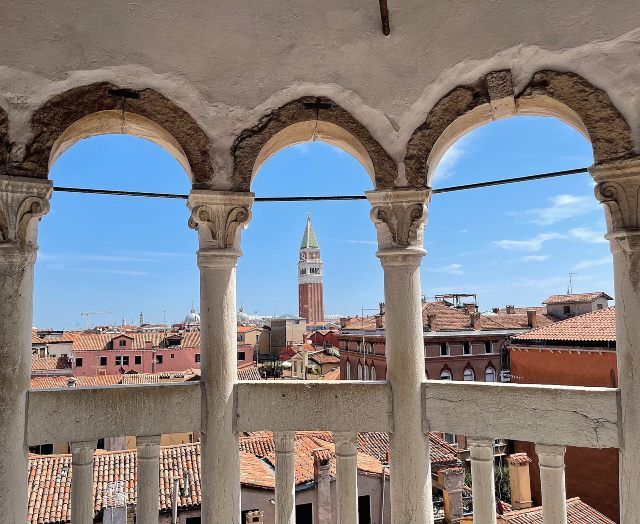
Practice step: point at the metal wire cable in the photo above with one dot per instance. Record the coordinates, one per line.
(450, 189)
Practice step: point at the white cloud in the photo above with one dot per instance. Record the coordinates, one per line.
(562, 207)
(449, 160)
(451, 269)
(532, 245)
(585, 264)
(587, 235)
(535, 258)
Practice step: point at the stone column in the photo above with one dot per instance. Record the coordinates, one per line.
(285, 477)
(618, 186)
(82, 508)
(452, 482)
(219, 217)
(322, 476)
(399, 216)
(482, 476)
(22, 202)
(347, 477)
(554, 494)
(148, 502)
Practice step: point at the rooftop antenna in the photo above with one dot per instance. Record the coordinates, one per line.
(570, 289)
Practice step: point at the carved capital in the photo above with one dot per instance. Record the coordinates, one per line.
(219, 217)
(400, 217)
(23, 201)
(618, 189)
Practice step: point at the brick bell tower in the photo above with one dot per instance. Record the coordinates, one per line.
(310, 301)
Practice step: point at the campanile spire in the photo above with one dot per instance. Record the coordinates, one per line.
(310, 292)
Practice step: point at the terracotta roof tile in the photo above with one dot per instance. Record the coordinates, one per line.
(334, 374)
(599, 326)
(49, 363)
(100, 341)
(578, 512)
(576, 298)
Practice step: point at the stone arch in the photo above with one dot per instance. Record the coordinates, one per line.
(563, 95)
(97, 109)
(302, 120)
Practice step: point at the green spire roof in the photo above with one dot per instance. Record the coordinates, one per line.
(309, 238)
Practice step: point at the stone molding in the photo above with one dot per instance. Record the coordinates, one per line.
(219, 217)
(346, 443)
(618, 189)
(23, 201)
(550, 456)
(400, 216)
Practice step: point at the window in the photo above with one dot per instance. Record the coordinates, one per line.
(444, 349)
(241, 355)
(119, 360)
(445, 374)
(197, 357)
(79, 362)
(43, 449)
(359, 372)
(122, 343)
(488, 347)
(198, 520)
(466, 348)
(348, 370)
(125, 360)
(366, 372)
(373, 373)
(450, 438)
(304, 514)
(599, 306)
(158, 359)
(364, 509)
(490, 374)
(469, 375)
(566, 309)
(137, 360)
(103, 361)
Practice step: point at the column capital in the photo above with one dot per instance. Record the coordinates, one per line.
(148, 447)
(82, 452)
(23, 201)
(550, 456)
(346, 443)
(480, 448)
(400, 216)
(618, 189)
(219, 217)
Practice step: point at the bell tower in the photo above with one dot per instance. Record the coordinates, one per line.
(310, 301)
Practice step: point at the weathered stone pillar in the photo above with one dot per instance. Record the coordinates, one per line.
(482, 476)
(399, 217)
(618, 186)
(452, 482)
(285, 477)
(347, 477)
(82, 509)
(148, 501)
(219, 217)
(322, 476)
(22, 202)
(554, 493)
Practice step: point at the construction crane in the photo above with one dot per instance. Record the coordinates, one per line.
(92, 313)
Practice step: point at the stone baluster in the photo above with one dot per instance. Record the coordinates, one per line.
(399, 216)
(22, 202)
(554, 494)
(148, 501)
(219, 218)
(347, 477)
(482, 476)
(618, 189)
(285, 477)
(82, 507)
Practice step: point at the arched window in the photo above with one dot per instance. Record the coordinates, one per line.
(373, 373)
(469, 375)
(359, 371)
(366, 372)
(445, 374)
(490, 374)
(348, 370)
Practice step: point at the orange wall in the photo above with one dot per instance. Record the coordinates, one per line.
(592, 474)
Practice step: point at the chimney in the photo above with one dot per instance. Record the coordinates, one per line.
(431, 321)
(379, 321)
(475, 320)
(381, 306)
(255, 517)
(148, 344)
(71, 382)
(519, 480)
(343, 322)
(532, 319)
(452, 482)
(496, 310)
(471, 307)
(322, 476)
(511, 310)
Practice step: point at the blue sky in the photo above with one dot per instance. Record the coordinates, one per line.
(513, 244)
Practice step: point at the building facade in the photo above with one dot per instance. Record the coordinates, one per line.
(310, 292)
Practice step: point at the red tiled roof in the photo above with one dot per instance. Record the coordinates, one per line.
(49, 363)
(100, 341)
(518, 459)
(599, 326)
(140, 378)
(249, 371)
(577, 513)
(324, 358)
(576, 298)
(63, 382)
(334, 374)
(245, 329)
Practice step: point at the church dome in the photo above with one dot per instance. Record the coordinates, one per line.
(192, 317)
(243, 318)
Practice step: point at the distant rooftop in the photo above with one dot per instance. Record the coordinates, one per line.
(576, 298)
